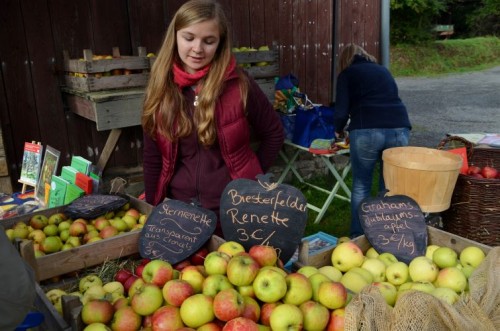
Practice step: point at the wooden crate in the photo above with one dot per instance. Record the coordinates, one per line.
(70, 320)
(81, 257)
(436, 237)
(253, 62)
(106, 72)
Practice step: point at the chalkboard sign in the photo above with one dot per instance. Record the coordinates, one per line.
(94, 205)
(263, 213)
(175, 230)
(394, 224)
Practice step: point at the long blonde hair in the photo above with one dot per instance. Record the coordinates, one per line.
(165, 109)
(348, 53)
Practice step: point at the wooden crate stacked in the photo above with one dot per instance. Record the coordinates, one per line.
(106, 72)
(262, 65)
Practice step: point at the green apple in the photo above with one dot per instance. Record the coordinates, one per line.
(147, 299)
(445, 257)
(397, 273)
(20, 233)
(332, 295)
(315, 315)
(37, 236)
(331, 272)
(213, 284)
(452, 278)
(94, 292)
(423, 269)
(193, 275)
(56, 218)
(299, 289)
(269, 285)
(51, 230)
(242, 270)
(371, 253)
(354, 281)
(446, 294)
(114, 287)
(347, 255)
(88, 281)
(430, 249)
(376, 267)
(231, 248)
(367, 275)
(422, 286)
(316, 280)
(308, 270)
(51, 244)
(343, 239)
(286, 317)
(97, 327)
(197, 310)
(388, 291)
(387, 258)
(216, 263)
(471, 256)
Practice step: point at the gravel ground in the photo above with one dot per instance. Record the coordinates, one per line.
(455, 103)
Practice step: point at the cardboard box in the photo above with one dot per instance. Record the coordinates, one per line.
(436, 236)
(81, 257)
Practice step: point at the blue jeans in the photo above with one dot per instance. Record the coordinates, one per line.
(366, 147)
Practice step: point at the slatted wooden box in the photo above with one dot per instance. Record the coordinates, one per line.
(435, 236)
(81, 257)
(106, 72)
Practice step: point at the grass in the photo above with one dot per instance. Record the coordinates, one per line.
(445, 56)
(436, 58)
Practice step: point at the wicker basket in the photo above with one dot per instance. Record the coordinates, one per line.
(475, 204)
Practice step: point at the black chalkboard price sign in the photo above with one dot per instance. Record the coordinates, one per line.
(394, 224)
(175, 230)
(263, 213)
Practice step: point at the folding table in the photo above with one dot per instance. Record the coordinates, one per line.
(326, 158)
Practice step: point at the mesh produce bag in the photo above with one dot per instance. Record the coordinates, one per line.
(414, 310)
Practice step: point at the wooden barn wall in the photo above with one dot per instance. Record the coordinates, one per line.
(34, 34)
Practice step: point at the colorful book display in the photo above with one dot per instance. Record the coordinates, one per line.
(84, 182)
(69, 173)
(81, 164)
(57, 194)
(72, 192)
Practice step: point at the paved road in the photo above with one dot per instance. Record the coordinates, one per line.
(457, 103)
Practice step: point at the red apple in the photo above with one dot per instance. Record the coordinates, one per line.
(264, 255)
(166, 318)
(122, 275)
(129, 281)
(211, 326)
(175, 291)
(126, 319)
(158, 272)
(139, 270)
(252, 309)
(108, 232)
(134, 213)
(199, 257)
(120, 303)
(477, 176)
(241, 324)
(181, 265)
(473, 170)
(489, 172)
(228, 304)
(145, 261)
(265, 312)
(38, 221)
(337, 320)
(97, 311)
(77, 229)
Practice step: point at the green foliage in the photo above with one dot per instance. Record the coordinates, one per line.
(445, 56)
(485, 19)
(412, 20)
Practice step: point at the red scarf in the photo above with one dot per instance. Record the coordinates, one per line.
(185, 79)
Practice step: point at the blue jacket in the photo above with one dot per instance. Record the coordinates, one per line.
(368, 95)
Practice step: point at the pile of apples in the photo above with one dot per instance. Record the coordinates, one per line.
(57, 232)
(484, 172)
(231, 290)
(251, 49)
(442, 272)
